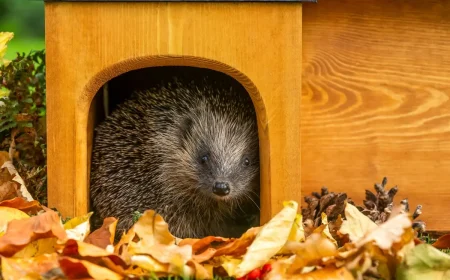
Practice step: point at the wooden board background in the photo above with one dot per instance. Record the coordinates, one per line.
(375, 100)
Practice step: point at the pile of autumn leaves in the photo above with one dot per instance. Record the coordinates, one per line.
(36, 244)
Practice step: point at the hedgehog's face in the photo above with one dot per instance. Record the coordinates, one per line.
(222, 155)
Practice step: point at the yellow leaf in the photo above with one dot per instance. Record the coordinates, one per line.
(79, 227)
(5, 37)
(356, 224)
(148, 263)
(152, 229)
(269, 240)
(326, 230)
(311, 252)
(37, 248)
(319, 274)
(28, 268)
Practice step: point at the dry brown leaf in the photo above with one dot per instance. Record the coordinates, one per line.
(103, 236)
(442, 242)
(78, 269)
(33, 268)
(29, 207)
(319, 274)
(22, 191)
(20, 233)
(8, 190)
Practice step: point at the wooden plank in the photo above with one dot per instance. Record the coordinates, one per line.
(376, 89)
(257, 43)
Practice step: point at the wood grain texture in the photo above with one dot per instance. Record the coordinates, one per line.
(256, 43)
(375, 100)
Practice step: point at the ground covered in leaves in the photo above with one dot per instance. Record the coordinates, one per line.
(330, 239)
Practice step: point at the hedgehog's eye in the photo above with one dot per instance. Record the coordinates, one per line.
(204, 158)
(246, 162)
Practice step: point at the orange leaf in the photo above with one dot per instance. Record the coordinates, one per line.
(103, 236)
(199, 245)
(20, 233)
(239, 246)
(443, 242)
(205, 255)
(29, 207)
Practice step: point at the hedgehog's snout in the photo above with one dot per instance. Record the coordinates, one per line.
(221, 188)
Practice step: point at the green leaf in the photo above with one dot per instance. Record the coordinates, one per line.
(424, 262)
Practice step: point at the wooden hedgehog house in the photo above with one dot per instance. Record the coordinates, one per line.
(346, 92)
(90, 43)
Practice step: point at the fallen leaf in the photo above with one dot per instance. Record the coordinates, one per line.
(152, 229)
(163, 253)
(22, 189)
(150, 264)
(78, 269)
(5, 37)
(319, 274)
(311, 252)
(8, 190)
(29, 207)
(31, 268)
(8, 214)
(424, 262)
(20, 233)
(37, 248)
(199, 245)
(79, 249)
(78, 228)
(442, 242)
(356, 224)
(200, 271)
(270, 239)
(388, 233)
(103, 236)
(239, 246)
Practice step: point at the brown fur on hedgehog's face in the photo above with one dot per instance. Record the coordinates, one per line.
(220, 155)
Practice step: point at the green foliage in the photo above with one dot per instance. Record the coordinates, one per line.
(22, 118)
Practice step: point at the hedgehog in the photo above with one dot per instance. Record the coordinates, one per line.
(187, 148)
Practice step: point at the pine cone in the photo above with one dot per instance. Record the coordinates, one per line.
(330, 203)
(378, 207)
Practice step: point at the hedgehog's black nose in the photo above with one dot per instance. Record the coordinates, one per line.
(221, 188)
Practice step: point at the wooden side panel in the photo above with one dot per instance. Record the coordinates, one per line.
(90, 43)
(375, 100)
